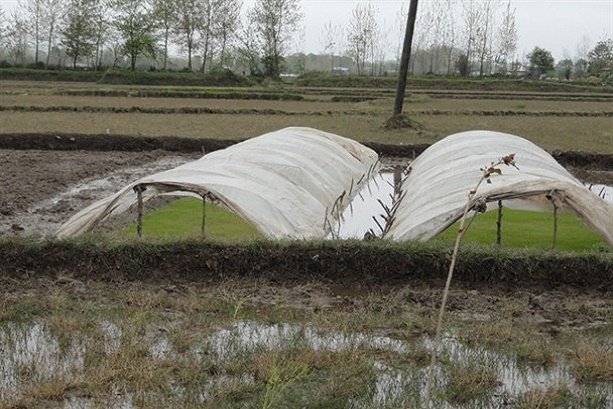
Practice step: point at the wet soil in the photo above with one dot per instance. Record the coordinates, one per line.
(128, 143)
(42, 189)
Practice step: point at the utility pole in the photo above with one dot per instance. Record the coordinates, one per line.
(404, 59)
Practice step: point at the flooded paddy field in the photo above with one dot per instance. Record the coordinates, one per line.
(246, 343)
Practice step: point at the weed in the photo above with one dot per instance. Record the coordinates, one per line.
(468, 381)
(592, 361)
(549, 398)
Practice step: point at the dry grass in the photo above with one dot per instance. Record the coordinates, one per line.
(467, 381)
(96, 101)
(592, 361)
(416, 102)
(587, 134)
(549, 398)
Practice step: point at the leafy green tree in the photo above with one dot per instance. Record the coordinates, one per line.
(136, 23)
(77, 32)
(564, 68)
(580, 68)
(600, 59)
(462, 65)
(541, 62)
(275, 22)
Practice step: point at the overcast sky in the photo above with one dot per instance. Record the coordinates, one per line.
(557, 25)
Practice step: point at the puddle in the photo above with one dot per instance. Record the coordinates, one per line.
(34, 348)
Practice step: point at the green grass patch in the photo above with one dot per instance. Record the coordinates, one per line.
(521, 229)
(526, 229)
(183, 218)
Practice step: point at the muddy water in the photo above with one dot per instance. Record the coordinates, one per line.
(32, 350)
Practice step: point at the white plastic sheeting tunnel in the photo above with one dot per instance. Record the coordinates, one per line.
(292, 183)
(436, 189)
(296, 183)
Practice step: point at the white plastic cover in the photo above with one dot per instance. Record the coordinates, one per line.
(437, 187)
(285, 183)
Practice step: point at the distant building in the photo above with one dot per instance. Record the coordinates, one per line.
(340, 71)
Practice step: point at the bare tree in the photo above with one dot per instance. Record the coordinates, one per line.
(329, 40)
(275, 21)
(249, 49)
(225, 25)
(360, 34)
(484, 32)
(3, 30)
(164, 13)
(187, 18)
(583, 48)
(399, 28)
(101, 27)
(205, 28)
(52, 10)
(33, 10)
(18, 39)
(437, 12)
(472, 20)
(507, 37)
(449, 32)
(421, 38)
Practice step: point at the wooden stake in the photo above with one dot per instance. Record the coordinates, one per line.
(139, 189)
(202, 227)
(397, 180)
(499, 225)
(555, 227)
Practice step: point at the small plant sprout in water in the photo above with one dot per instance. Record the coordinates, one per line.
(480, 206)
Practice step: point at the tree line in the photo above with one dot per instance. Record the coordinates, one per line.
(452, 37)
(209, 33)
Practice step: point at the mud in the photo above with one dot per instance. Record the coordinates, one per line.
(42, 189)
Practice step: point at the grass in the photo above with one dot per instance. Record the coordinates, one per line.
(180, 344)
(468, 381)
(183, 218)
(585, 134)
(414, 102)
(526, 229)
(522, 229)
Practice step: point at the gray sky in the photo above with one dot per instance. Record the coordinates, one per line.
(557, 25)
